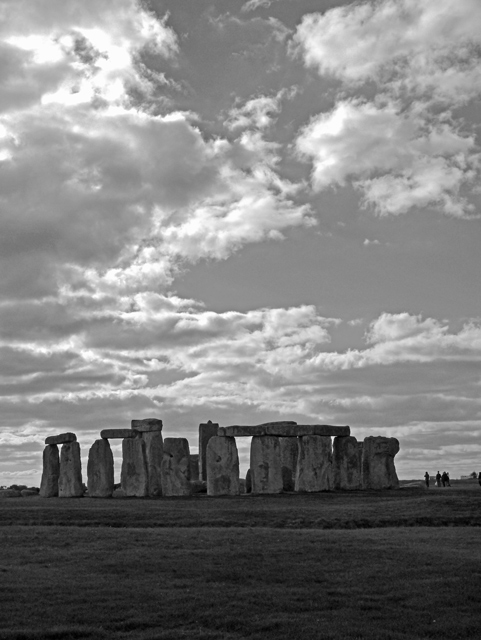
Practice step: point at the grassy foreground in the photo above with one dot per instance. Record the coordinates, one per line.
(327, 566)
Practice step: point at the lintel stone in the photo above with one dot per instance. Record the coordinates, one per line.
(147, 424)
(284, 430)
(62, 438)
(110, 434)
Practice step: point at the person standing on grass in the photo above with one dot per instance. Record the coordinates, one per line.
(447, 479)
(443, 478)
(426, 479)
(479, 478)
(438, 479)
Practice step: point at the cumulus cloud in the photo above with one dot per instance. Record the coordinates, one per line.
(404, 149)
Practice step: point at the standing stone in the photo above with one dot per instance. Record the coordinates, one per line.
(378, 470)
(206, 431)
(194, 467)
(314, 464)
(100, 470)
(134, 475)
(154, 451)
(346, 470)
(50, 472)
(222, 467)
(289, 452)
(176, 467)
(265, 465)
(248, 481)
(70, 478)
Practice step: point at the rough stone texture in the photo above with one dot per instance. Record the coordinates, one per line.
(176, 468)
(248, 481)
(29, 493)
(289, 452)
(147, 424)
(194, 467)
(265, 465)
(207, 431)
(100, 470)
(10, 493)
(222, 467)
(50, 472)
(242, 485)
(378, 470)
(70, 478)
(134, 475)
(154, 451)
(314, 464)
(346, 468)
(284, 430)
(110, 434)
(62, 438)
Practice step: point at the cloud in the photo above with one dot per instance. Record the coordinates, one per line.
(404, 148)
(422, 162)
(428, 46)
(252, 5)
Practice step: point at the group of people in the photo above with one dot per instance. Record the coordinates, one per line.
(441, 479)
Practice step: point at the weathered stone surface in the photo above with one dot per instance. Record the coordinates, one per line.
(70, 478)
(154, 451)
(194, 467)
(134, 475)
(62, 438)
(50, 472)
(314, 464)
(265, 465)
(119, 493)
(10, 493)
(378, 470)
(100, 470)
(207, 430)
(248, 481)
(29, 493)
(111, 434)
(289, 452)
(286, 430)
(176, 468)
(147, 424)
(222, 467)
(346, 468)
(242, 485)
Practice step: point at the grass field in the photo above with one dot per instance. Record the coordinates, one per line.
(368, 565)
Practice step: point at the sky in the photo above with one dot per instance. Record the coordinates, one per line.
(241, 211)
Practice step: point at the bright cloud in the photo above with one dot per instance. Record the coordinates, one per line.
(423, 59)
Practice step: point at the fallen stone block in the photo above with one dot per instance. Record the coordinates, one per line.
(111, 434)
(134, 475)
(346, 468)
(176, 468)
(62, 438)
(314, 464)
(100, 470)
(50, 472)
(222, 467)
(147, 424)
(198, 486)
(378, 470)
(265, 465)
(70, 477)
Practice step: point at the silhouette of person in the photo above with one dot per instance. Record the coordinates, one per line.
(426, 479)
(479, 478)
(438, 479)
(444, 478)
(447, 479)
